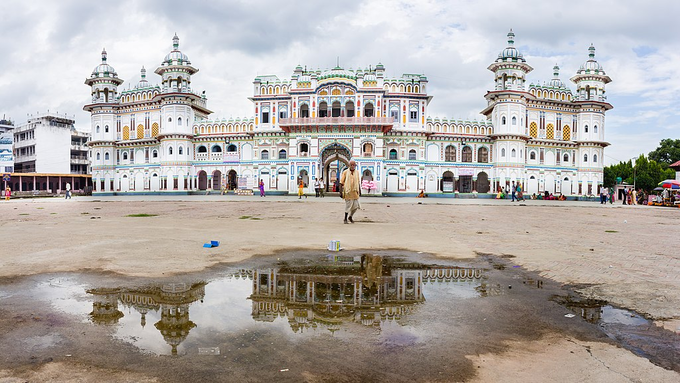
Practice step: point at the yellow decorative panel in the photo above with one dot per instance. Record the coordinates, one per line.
(533, 130)
(550, 132)
(349, 92)
(126, 133)
(566, 133)
(323, 93)
(335, 92)
(154, 130)
(140, 131)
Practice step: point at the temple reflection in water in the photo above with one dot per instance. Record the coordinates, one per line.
(171, 299)
(366, 289)
(326, 294)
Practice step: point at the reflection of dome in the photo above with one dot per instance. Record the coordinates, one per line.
(175, 325)
(105, 307)
(104, 69)
(510, 52)
(175, 57)
(591, 66)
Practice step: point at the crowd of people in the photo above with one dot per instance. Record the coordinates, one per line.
(515, 191)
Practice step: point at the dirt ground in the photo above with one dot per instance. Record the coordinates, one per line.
(627, 256)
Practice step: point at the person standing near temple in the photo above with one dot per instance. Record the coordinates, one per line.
(350, 190)
(301, 189)
(8, 193)
(261, 186)
(317, 187)
(68, 190)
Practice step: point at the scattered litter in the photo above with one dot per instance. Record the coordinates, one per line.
(625, 221)
(69, 355)
(334, 245)
(610, 266)
(208, 351)
(516, 266)
(211, 244)
(509, 286)
(420, 252)
(569, 315)
(284, 370)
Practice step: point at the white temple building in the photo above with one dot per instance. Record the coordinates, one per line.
(162, 139)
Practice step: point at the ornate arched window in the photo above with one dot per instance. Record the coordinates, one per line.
(483, 155)
(450, 153)
(466, 154)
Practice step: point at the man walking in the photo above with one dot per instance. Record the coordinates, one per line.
(350, 190)
(514, 191)
(317, 186)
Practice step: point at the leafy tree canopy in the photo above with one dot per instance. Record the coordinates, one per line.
(646, 174)
(667, 152)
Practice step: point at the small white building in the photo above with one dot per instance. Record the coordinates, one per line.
(49, 143)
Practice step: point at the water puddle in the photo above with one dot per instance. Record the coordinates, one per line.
(346, 297)
(633, 331)
(365, 317)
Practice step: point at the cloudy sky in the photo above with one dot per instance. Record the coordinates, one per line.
(50, 47)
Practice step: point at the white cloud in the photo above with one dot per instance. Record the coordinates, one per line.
(51, 47)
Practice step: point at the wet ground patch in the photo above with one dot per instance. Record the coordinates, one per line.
(344, 316)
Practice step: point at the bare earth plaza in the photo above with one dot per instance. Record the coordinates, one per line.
(339, 226)
(511, 321)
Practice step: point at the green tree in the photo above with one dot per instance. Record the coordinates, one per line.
(667, 152)
(646, 174)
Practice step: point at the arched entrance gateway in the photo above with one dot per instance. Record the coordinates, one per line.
(202, 180)
(217, 180)
(232, 182)
(334, 159)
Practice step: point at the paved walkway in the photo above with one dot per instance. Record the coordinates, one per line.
(364, 200)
